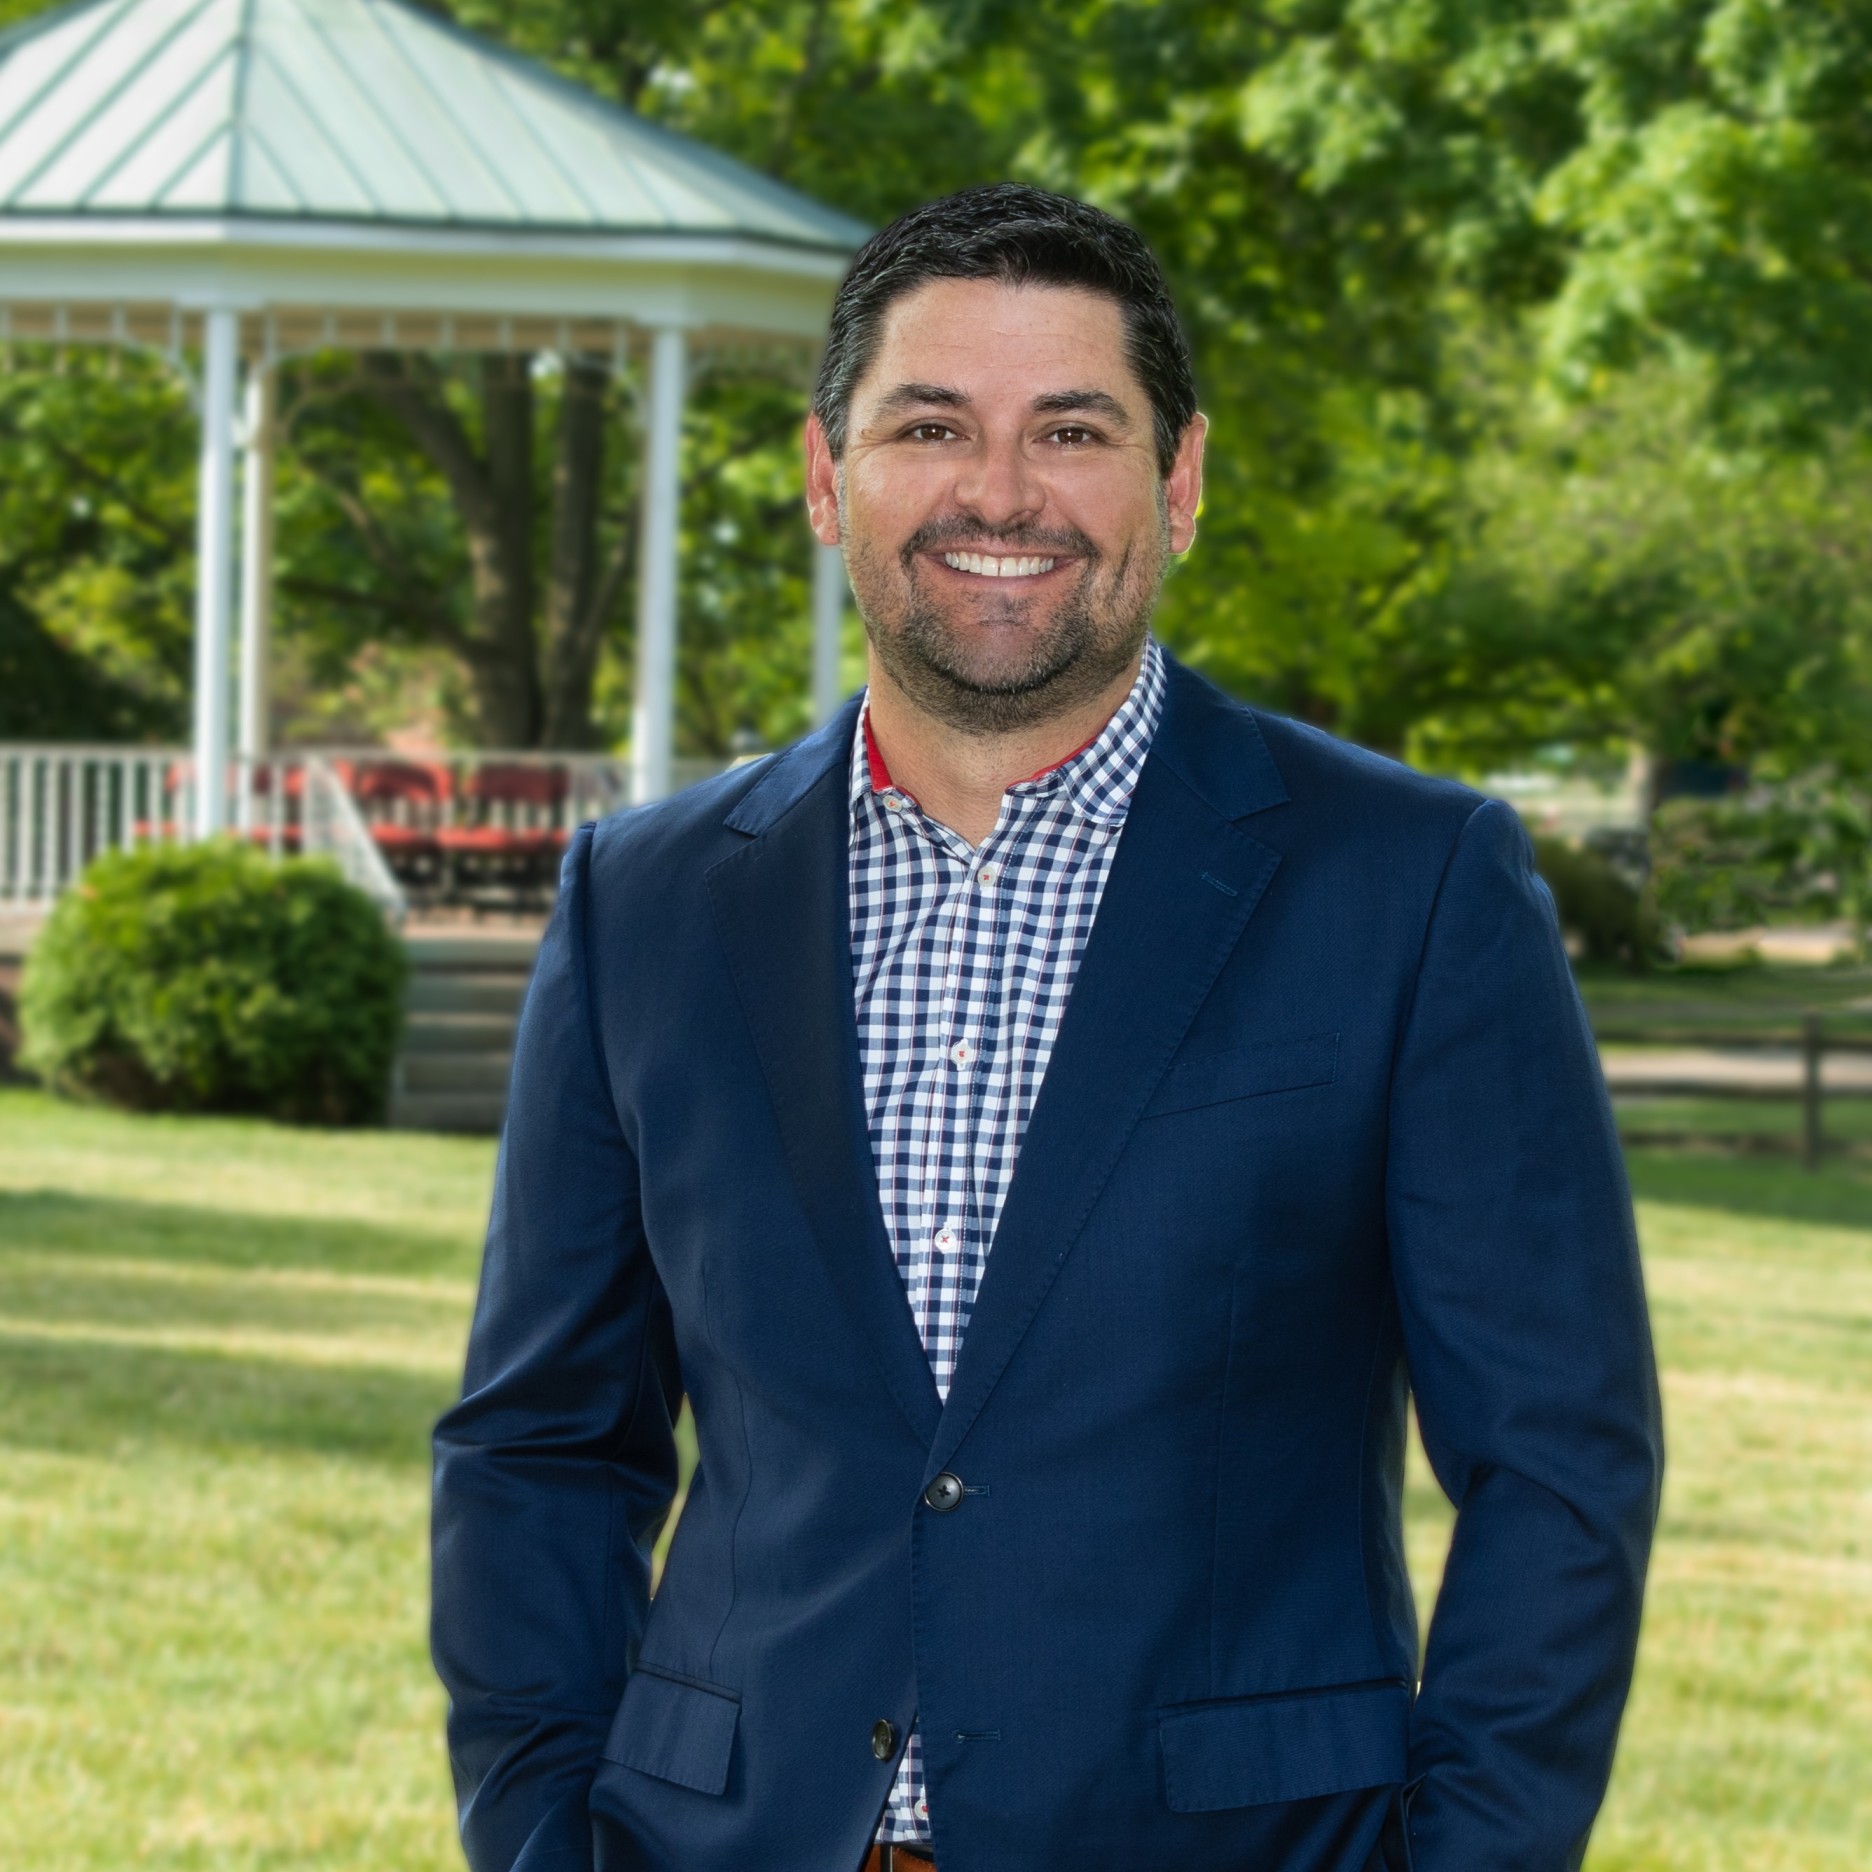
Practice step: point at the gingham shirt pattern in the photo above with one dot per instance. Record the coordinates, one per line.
(962, 961)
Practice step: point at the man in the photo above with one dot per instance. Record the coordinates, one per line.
(1043, 1121)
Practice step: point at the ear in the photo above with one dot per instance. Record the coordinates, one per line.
(1183, 485)
(821, 484)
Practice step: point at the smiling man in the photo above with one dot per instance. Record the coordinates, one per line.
(1047, 1122)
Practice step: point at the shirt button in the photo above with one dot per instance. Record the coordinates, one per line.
(883, 1739)
(945, 1239)
(962, 1053)
(988, 873)
(922, 1810)
(893, 802)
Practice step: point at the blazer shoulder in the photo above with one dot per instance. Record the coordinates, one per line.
(1354, 786)
(654, 843)
(646, 853)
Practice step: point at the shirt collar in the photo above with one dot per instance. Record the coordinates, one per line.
(1098, 778)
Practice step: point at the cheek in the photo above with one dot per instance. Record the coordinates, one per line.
(898, 496)
(1112, 504)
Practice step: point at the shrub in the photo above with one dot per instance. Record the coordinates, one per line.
(1795, 852)
(209, 978)
(1611, 918)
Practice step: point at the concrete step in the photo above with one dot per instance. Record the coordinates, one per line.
(448, 1111)
(429, 1033)
(455, 1072)
(463, 991)
(462, 1006)
(472, 952)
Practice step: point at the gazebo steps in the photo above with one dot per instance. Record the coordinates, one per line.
(447, 1035)
(481, 1112)
(462, 1006)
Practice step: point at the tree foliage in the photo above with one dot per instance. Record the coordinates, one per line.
(1536, 336)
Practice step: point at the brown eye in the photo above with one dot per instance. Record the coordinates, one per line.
(1073, 435)
(931, 432)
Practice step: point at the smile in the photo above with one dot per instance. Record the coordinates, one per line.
(986, 565)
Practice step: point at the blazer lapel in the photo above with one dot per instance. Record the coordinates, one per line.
(781, 905)
(1183, 885)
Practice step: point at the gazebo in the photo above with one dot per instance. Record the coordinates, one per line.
(234, 181)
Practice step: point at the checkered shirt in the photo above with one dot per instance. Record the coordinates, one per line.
(962, 961)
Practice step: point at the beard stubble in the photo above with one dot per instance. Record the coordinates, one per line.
(1093, 635)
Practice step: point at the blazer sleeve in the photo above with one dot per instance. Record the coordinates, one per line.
(1516, 1266)
(556, 1470)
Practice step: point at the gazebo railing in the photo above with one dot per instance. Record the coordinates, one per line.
(62, 804)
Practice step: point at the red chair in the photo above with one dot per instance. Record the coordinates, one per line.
(404, 803)
(510, 837)
(291, 776)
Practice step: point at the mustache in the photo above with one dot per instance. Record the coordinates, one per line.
(958, 535)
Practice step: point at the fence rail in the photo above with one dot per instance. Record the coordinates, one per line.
(1676, 1076)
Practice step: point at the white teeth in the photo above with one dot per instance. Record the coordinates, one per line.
(986, 565)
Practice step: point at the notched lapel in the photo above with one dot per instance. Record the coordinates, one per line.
(1183, 885)
(781, 905)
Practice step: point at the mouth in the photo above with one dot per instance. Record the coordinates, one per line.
(1000, 565)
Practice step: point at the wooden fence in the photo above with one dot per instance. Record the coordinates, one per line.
(1689, 1063)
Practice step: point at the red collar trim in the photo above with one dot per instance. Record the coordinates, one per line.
(880, 776)
(874, 759)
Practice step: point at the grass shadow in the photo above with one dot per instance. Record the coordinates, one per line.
(116, 1227)
(1840, 1194)
(82, 1277)
(100, 1398)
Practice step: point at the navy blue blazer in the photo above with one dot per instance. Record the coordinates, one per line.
(1324, 1123)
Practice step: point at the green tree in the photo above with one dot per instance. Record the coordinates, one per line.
(1629, 577)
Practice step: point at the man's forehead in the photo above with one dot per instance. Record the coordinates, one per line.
(982, 335)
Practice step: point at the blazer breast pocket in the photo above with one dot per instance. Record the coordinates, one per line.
(1246, 1072)
(677, 1729)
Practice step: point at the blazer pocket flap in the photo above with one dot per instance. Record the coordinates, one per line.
(1220, 1755)
(1247, 1072)
(678, 1730)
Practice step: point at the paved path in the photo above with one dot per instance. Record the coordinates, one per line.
(1728, 1070)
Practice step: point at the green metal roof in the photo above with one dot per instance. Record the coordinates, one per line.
(350, 111)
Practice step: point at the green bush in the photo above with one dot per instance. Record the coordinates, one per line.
(209, 978)
(1610, 918)
(1796, 852)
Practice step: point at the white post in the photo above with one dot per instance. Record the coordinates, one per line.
(256, 597)
(214, 568)
(828, 621)
(654, 717)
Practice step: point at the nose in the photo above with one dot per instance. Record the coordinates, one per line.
(998, 485)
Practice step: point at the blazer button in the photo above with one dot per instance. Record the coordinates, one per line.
(945, 1493)
(884, 1739)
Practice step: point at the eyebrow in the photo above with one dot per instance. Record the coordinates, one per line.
(914, 395)
(1053, 403)
(1094, 402)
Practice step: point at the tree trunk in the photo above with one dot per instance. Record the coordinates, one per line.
(533, 685)
(507, 688)
(575, 623)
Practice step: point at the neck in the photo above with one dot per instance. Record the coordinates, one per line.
(959, 778)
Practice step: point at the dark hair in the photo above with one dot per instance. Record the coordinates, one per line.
(1021, 236)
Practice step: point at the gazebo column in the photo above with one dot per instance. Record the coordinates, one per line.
(653, 721)
(256, 595)
(828, 622)
(214, 568)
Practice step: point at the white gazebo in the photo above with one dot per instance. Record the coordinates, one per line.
(233, 181)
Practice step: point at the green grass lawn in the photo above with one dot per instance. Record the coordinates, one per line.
(1765, 995)
(221, 1346)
